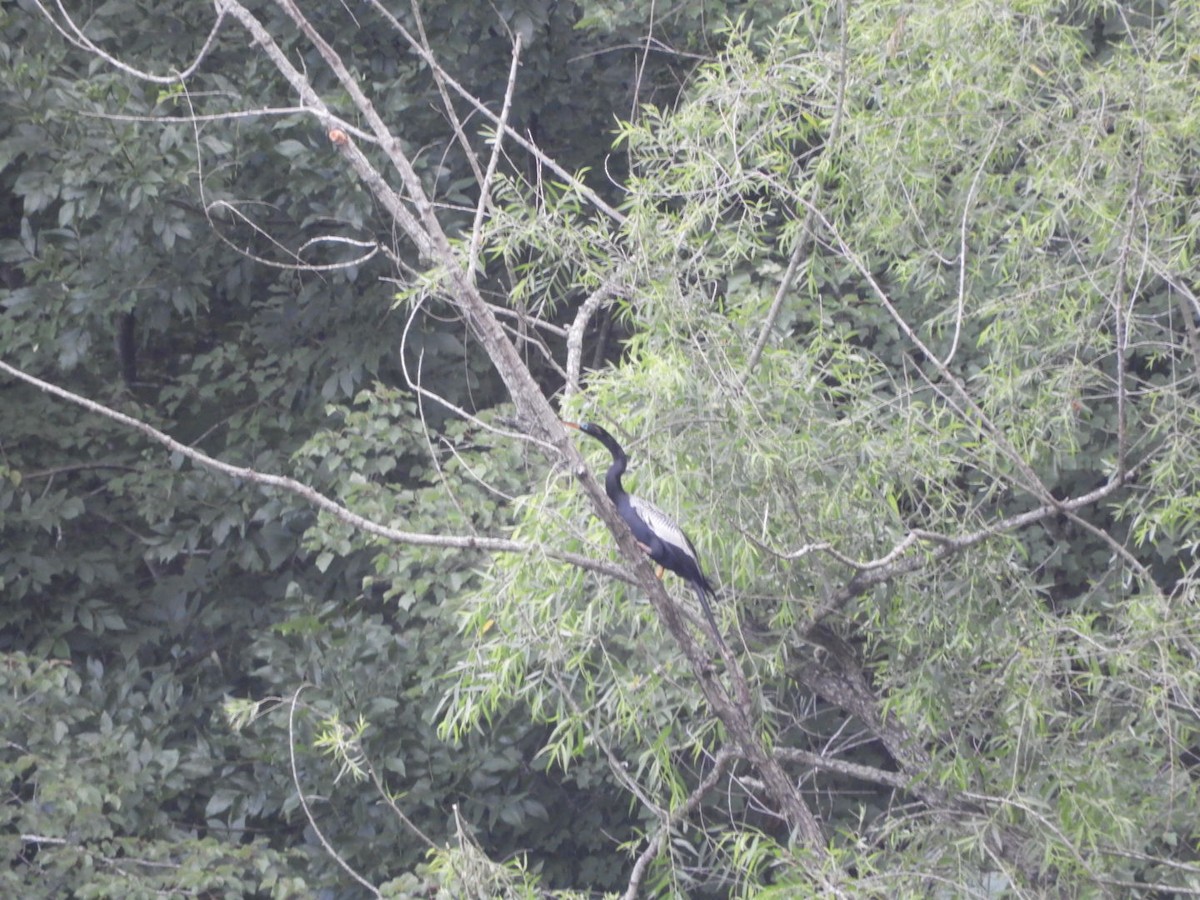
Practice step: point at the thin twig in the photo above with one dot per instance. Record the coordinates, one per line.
(725, 756)
(312, 822)
(416, 386)
(193, 118)
(485, 187)
(514, 135)
(971, 412)
(1121, 318)
(962, 251)
(456, 125)
(803, 238)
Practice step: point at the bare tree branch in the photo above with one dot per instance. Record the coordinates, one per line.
(317, 499)
(194, 118)
(884, 568)
(379, 187)
(962, 250)
(485, 186)
(456, 124)
(74, 35)
(892, 566)
(853, 770)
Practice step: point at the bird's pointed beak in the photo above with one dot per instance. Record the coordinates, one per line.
(574, 425)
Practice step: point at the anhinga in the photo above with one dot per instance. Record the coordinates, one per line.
(655, 531)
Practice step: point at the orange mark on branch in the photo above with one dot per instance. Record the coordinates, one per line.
(338, 137)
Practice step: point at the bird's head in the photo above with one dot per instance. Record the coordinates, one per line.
(585, 427)
(593, 430)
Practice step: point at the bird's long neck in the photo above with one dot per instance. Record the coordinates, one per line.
(612, 478)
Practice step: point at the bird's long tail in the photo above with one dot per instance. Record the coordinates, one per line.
(702, 596)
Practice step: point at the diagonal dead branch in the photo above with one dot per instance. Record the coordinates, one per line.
(314, 497)
(456, 125)
(371, 177)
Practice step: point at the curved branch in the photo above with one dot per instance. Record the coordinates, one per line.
(74, 35)
(962, 251)
(370, 248)
(948, 543)
(894, 564)
(312, 822)
(583, 315)
(316, 498)
(721, 762)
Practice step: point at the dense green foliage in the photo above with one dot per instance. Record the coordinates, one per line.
(898, 314)
(150, 265)
(994, 312)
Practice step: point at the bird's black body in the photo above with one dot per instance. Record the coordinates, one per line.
(663, 540)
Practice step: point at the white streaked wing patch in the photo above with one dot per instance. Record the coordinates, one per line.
(662, 525)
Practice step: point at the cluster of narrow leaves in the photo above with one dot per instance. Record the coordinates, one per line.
(991, 312)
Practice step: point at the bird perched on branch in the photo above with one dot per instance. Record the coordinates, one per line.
(656, 533)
